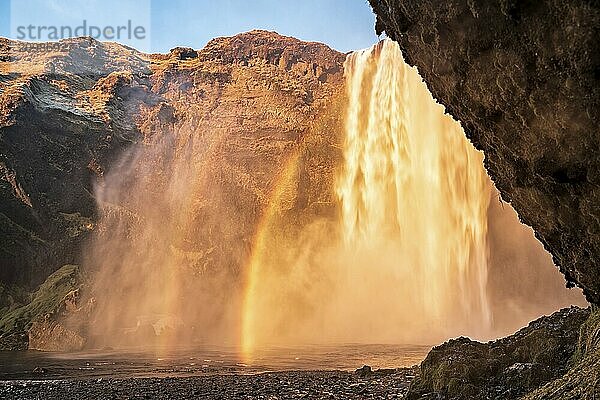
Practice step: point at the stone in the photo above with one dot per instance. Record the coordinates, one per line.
(50, 335)
(505, 368)
(364, 372)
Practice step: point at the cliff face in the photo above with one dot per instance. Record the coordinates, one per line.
(70, 109)
(60, 125)
(523, 79)
(95, 136)
(111, 158)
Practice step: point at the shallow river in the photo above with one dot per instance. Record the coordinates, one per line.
(202, 361)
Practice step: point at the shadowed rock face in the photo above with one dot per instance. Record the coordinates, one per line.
(68, 110)
(523, 79)
(506, 368)
(60, 125)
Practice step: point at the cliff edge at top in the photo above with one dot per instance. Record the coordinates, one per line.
(69, 109)
(523, 79)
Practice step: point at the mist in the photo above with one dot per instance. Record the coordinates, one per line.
(418, 248)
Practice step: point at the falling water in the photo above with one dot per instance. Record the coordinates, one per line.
(405, 260)
(412, 178)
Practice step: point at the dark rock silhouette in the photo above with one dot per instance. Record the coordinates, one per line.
(522, 77)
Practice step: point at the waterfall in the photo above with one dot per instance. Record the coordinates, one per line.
(413, 188)
(406, 258)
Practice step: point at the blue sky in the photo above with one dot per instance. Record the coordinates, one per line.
(342, 24)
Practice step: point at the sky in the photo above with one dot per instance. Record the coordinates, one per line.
(344, 25)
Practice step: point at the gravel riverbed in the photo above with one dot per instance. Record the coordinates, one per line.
(384, 384)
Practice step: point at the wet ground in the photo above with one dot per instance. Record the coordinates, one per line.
(274, 385)
(211, 372)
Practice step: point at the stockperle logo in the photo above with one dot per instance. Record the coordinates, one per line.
(122, 21)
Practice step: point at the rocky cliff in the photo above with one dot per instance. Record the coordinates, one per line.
(112, 158)
(523, 79)
(59, 126)
(69, 109)
(72, 111)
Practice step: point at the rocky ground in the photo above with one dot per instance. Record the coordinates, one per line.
(555, 357)
(385, 384)
(506, 368)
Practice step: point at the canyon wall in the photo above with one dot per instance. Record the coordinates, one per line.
(523, 79)
(61, 123)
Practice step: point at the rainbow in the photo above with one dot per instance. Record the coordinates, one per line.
(253, 269)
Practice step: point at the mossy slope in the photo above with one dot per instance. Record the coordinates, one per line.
(506, 368)
(47, 299)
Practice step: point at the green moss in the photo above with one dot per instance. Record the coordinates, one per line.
(47, 299)
(8, 225)
(582, 381)
(12, 297)
(506, 368)
(76, 224)
(589, 337)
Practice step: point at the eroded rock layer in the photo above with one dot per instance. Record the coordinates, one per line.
(68, 110)
(523, 79)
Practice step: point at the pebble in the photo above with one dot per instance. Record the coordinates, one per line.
(275, 385)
